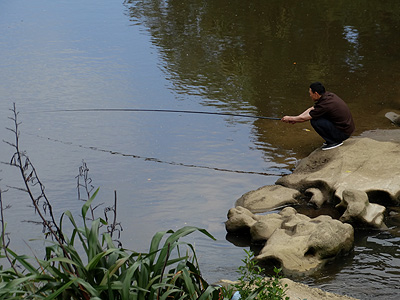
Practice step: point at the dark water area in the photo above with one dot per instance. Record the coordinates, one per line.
(172, 170)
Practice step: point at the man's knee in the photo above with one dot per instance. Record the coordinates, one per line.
(327, 130)
(321, 123)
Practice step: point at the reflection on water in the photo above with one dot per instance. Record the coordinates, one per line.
(224, 56)
(263, 56)
(354, 59)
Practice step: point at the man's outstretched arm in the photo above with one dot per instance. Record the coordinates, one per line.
(303, 117)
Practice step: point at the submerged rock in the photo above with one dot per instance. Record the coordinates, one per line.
(267, 197)
(393, 117)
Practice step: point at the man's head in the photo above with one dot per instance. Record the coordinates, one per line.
(316, 90)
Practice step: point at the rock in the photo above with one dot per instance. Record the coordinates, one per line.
(360, 164)
(239, 219)
(393, 117)
(313, 242)
(301, 291)
(268, 197)
(265, 227)
(358, 209)
(317, 197)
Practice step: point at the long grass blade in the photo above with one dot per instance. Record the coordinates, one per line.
(112, 270)
(77, 230)
(22, 260)
(61, 289)
(87, 204)
(93, 263)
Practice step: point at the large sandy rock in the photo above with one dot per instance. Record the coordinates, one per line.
(305, 245)
(360, 164)
(363, 165)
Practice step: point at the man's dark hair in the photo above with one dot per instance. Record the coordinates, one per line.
(317, 87)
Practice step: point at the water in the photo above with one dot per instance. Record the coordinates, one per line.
(171, 170)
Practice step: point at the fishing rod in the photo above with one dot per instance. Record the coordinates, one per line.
(162, 110)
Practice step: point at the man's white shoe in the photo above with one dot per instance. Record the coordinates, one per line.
(331, 146)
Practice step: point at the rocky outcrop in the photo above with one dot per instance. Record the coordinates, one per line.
(393, 117)
(361, 164)
(359, 180)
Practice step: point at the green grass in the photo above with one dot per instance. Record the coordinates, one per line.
(109, 272)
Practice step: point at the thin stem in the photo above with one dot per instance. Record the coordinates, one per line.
(17, 161)
(3, 227)
(164, 266)
(115, 213)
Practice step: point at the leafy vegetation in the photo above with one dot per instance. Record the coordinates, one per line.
(253, 284)
(90, 263)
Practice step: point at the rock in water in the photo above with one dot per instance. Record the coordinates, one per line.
(393, 117)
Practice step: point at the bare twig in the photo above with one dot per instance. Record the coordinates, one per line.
(114, 227)
(31, 181)
(3, 234)
(42, 206)
(35, 189)
(87, 187)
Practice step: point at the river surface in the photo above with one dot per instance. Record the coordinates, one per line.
(177, 169)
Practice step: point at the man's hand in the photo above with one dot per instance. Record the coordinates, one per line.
(288, 119)
(303, 117)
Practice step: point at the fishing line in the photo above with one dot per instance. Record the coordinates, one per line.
(156, 159)
(161, 111)
(153, 159)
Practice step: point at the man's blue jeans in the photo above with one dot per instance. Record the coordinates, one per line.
(328, 131)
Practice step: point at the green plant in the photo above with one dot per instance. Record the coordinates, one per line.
(253, 285)
(109, 272)
(86, 263)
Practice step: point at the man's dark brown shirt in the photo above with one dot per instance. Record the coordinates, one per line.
(334, 109)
